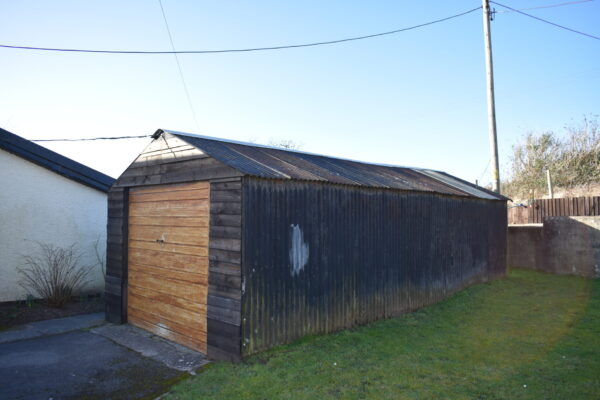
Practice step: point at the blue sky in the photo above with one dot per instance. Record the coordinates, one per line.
(416, 98)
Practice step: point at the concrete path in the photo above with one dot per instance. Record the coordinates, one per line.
(65, 359)
(170, 354)
(78, 365)
(51, 327)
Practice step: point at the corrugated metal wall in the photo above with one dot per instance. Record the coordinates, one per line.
(320, 257)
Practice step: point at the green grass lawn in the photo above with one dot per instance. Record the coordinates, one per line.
(528, 336)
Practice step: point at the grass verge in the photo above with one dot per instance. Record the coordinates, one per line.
(528, 336)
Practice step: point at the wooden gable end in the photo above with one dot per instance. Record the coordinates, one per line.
(169, 160)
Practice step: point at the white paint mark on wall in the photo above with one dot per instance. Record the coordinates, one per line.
(298, 250)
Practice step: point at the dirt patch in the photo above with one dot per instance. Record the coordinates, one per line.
(22, 312)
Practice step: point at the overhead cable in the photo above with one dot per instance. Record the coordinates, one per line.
(90, 139)
(485, 170)
(185, 88)
(568, 3)
(293, 46)
(546, 21)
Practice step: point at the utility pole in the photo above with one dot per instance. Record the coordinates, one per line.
(549, 179)
(491, 103)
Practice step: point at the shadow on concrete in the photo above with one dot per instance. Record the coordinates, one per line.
(79, 365)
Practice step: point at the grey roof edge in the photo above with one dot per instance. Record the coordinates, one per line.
(490, 192)
(54, 162)
(461, 184)
(470, 190)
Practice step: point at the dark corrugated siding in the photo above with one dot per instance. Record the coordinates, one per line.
(373, 253)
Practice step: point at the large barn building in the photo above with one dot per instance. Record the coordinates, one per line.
(231, 248)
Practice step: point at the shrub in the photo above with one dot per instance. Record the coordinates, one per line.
(100, 257)
(573, 159)
(54, 274)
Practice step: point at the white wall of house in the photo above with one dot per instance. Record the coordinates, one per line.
(38, 205)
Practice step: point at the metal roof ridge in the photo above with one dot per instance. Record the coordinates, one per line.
(287, 150)
(234, 150)
(455, 184)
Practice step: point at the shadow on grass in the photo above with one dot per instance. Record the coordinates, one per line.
(485, 342)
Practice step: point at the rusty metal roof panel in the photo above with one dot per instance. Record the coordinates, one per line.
(277, 163)
(276, 159)
(338, 169)
(423, 183)
(314, 167)
(227, 154)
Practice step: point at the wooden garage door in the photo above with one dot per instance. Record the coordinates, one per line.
(168, 261)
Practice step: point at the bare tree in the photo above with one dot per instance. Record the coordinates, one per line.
(287, 144)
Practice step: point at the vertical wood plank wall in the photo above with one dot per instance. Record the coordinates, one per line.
(565, 206)
(576, 206)
(116, 255)
(225, 274)
(170, 160)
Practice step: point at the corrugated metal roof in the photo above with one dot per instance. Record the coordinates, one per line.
(271, 162)
(54, 162)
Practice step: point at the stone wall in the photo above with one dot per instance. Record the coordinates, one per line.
(561, 245)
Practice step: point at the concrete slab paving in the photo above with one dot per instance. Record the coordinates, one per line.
(149, 345)
(51, 327)
(82, 357)
(79, 365)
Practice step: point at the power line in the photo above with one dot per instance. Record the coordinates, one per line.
(90, 139)
(546, 21)
(484, 171)
(293, 46)
(568, 3)
(187, 93)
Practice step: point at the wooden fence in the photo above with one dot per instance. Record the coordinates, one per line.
(542, 208)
